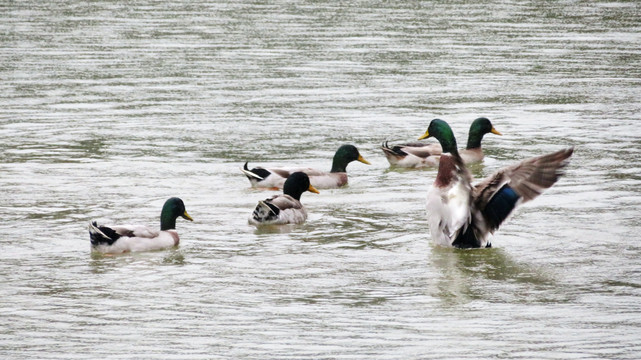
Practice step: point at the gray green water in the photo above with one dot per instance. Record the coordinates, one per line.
(107, 109)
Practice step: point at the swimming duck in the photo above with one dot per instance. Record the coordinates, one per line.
(284, 208)
(417, 154)
(463, 215)
(125, 238)
(337, 177)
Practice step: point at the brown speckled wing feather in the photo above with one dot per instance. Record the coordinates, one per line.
(528, 179)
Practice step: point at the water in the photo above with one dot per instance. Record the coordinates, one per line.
(109, 109)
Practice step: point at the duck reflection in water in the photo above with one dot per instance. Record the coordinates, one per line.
(467, 275)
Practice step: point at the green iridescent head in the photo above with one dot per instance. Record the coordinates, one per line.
(478, 129)
(440, 130)
(345, 155)
(173, 208)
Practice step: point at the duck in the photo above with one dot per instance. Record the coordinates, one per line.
(274, 178)
(463, 215)
(284, 208)
(418, 154)
(117, 239)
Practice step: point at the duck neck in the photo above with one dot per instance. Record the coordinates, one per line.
(449, 146)
(292, 191)
(167, 219)
(339, 164)
(445, 136)
(446, 171)
(474, 139)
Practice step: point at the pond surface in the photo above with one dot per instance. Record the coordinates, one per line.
(109, 109)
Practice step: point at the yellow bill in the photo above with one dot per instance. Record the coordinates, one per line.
(362, 159)
(313, 189)
(425, 136)
(186, 216)
(494, 131)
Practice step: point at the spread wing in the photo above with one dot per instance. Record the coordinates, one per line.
(498, 195)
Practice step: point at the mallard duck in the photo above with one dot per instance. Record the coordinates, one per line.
(335, 178)
(462, 215)
(125, 238)
(284, 208)
(417, 154)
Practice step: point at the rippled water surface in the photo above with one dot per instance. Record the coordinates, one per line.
(108, 109)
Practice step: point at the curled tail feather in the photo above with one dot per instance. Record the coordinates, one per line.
(102, 234)
(393, 151)
(249, 173)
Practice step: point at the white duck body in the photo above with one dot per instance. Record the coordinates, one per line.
(449, 204)
(275, 177)
(117, 239)
(134, 238)
(471, 156)
(278, 175)
(327, 180)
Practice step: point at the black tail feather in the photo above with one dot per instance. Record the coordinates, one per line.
(394, 151)
(104, 235)
(263, 173)
(467, 239)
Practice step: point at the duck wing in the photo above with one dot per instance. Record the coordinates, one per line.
(139, 231)
(423, 151)
(498, 195)
(282, 172)
(287, 171)
(449, 204)
(415, 148)
(284, 202)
